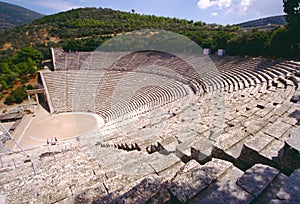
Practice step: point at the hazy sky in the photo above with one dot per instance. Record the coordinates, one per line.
(209, 11)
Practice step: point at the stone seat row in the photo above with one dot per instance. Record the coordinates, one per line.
(84, 60)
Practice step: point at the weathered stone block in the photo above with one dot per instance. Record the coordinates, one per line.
(257, 178)
(290, 192)
(189, 183)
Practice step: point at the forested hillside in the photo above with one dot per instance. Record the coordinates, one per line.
(19, 68)
(86, 28)
(12, 16)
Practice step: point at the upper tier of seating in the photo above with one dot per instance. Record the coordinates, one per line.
(201, 73)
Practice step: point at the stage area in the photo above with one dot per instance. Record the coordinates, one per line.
(35, 130)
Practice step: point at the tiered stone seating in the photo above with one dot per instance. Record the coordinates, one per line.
(56, 86)
(233, 139)
(255, 123)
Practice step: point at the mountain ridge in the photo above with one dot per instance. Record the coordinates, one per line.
(272, 21)
(13, 15)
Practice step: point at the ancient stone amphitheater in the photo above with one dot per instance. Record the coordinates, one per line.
(228, 133)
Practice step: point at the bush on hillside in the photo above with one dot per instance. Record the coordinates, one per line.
(18, 95)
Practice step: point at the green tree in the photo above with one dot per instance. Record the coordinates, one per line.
(280, 43)
(27, 53)
(9, 100)
(21, 67)
(221, 40)
(18, 95)
(292, 9)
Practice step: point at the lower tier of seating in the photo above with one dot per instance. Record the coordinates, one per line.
(109, 94)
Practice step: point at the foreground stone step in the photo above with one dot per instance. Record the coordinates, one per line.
(194, 178)
(251, 149)
(143, 192)
(263, 148)
(134, 162)
(160, 162)
(201, 150)
(291, 152)
(289, 193)
(268, 194)
(55, 182)
(269, 147)
(257, 178)
(224, 190)
(230, 145)
(257, 185)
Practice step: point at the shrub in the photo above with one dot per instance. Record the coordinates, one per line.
(9, 100)
(18, 95)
